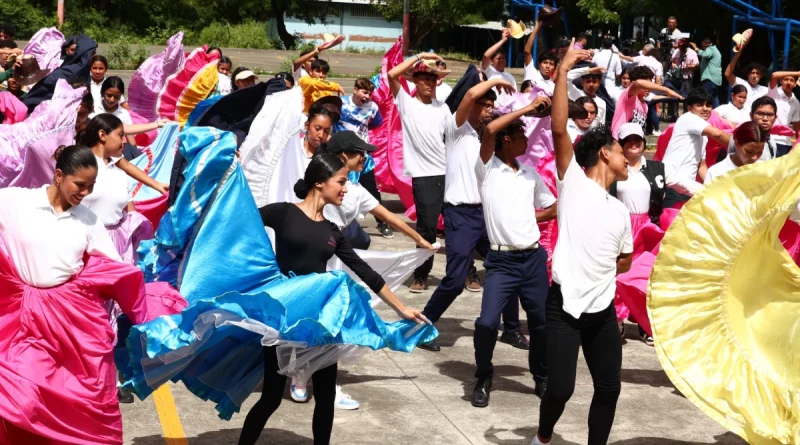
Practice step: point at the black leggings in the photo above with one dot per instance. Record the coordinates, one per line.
(602, 348)
(272, 393)
(367, 180)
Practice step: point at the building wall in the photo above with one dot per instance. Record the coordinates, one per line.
(361, 24)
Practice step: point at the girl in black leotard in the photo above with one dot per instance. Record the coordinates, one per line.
(304, 242)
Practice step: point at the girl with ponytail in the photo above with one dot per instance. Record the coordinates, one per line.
(304, 242)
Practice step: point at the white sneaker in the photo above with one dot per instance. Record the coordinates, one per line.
(344, 401)
(656, 133)
(299, 391)
(536, 441)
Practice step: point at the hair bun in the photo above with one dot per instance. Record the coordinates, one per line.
(301, 188)
(58, 152)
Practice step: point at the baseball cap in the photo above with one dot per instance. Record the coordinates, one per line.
(245, 75)
(630, 129)
(348, 142)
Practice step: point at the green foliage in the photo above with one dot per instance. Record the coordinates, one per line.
(287, 65)
(249, 34)
(121, 57)
(26, 18)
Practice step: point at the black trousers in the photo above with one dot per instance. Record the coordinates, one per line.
(464, 233)
(367, 180)
(428, 195)
(598, 334)
(509, 274)
(357, 237)
(272, 393)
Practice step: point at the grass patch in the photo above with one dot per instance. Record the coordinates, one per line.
(122, 57)
(455, 55)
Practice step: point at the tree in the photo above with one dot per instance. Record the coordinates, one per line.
(439, 15)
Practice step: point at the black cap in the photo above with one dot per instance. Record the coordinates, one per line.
(348, 142)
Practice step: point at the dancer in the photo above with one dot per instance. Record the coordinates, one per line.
(734, 112)
(591, 79)
(465, 227)
(56, 351)
(631, 106)
(540, 74)
(493, 63)
(788, 113)
(578, 127)
(424, 120)
(749, 141)
(243, 78)
(515, 264)
(110, 101)
(361, 114)
(594, 244)
(224, 85)
(686, 151)
(316, 86)
(643, 195)
(305, 241)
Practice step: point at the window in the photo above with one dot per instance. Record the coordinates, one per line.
(365, 12)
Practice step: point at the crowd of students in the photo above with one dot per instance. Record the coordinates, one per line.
(306, 153)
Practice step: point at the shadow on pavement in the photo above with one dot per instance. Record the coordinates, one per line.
(231, 436)
(527, 432)
(450, 330)
(654, 378)
(723, 439)
(465, 373)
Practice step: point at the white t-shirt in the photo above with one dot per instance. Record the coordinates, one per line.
(675, 35)
(492, 73)
(120, 112)
(300, 72)
(652, 63)
(510, 199)
(735, 115)
(634, 192)
(224, 85)
(357, 201)
(443, 91)
(573, 130)
(533, 74)
(463, 150)
(48, 248)
(753, 93)
(687, 147)
(719, 169)
(110, 195)
(576, 93)
(788, 112)
(423, 135)
(610, 61)
(594, 229)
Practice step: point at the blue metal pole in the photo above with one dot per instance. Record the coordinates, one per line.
(536, 9)
(510, 60)
(786, 40)
(772, 49)
(728, 4)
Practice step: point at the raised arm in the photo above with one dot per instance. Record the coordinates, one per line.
(558, 118)
(396, 72)
(529, 43)
(394, 221)
(476, 92)
(144, 128)
(488, 138)
(137, 174)
(298, 62)
(642, 84)
(729, 75)
(487, 56)
(778, 75)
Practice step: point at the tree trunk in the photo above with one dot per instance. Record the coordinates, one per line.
(287, 38)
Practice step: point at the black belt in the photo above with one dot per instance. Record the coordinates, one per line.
(447, 205)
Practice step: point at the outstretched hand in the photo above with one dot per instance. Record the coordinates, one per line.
(412, 314)
(573, 56)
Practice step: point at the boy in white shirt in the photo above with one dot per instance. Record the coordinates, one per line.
(424, 118)
(754, 72)
(686, 152)
(607, 59)
(594, 245)
(515, 265)
(541, 73)
(788, 106)
(494, 62)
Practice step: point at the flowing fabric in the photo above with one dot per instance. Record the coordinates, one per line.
(153, 209)
(128, 233)
(75, 66)
(537, 130)
(389, 136)
(27, 148)
(723, 300)
(156, 161)
(56, 363)
(182, 91)
(11, 107)
(45, 46)
(242, 303)
(148, 81)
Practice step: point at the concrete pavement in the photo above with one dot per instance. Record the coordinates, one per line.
(423, 397)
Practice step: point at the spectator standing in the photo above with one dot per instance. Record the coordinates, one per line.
(609, 60)
(710, 67)
(781, 85)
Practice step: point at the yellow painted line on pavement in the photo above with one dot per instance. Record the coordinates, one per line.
(168, 414)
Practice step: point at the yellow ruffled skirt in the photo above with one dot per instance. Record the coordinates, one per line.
(724, 301)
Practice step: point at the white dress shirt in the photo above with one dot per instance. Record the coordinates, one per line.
(423, 135)
(576, 93)
(535, 76)
(594, 229)
(736, 116)
(47, 248)
(788, 113)
(611, 62)
(510, 199)
(492, 73)
(357, 201)
(463, 150)
(753, 93)
(110, 196)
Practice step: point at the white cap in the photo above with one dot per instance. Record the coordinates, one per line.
(246, 74)
(630, 129)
